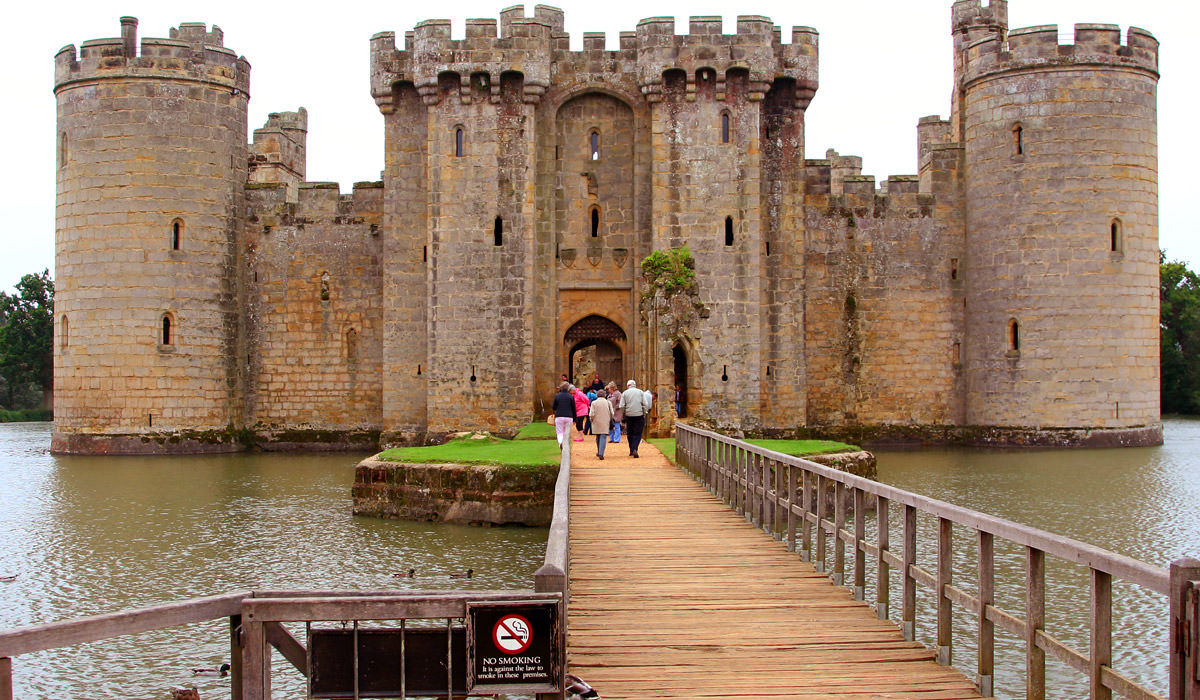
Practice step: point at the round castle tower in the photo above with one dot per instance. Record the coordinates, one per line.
(1061, 195)
(151, 174)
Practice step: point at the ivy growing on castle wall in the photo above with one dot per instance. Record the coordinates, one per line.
(671, 271)
(671, 294)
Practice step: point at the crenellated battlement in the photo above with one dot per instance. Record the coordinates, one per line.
(836, 183)
(1095, 45)
(192, 52)
(532, 46)
(270, 205)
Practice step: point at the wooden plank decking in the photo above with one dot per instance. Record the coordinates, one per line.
(673, 595)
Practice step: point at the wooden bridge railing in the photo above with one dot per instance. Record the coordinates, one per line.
(255, 617)
(817, 509)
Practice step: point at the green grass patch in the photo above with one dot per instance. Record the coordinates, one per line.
(795, 448)
(26, 415)
(664, 445)
(805, 448)
(487, 450)
(536, 431)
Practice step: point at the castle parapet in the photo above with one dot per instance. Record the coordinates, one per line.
(524, 46)
(756, 47)
(1096, 45)
(191, 53)
(316, 203)
(531, 46)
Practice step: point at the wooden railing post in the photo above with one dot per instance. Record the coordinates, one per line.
(256, 662)
(776, 509)
(6, 683)
(908, 587)
(882, 579)
(1101, 643)
(791, 507)
(860, 535)
(819, 559)
(235, 657)
(945, 576)
(806, 488)
(1035, 621)
(839, 524)
(987, 628)
(1184, 630)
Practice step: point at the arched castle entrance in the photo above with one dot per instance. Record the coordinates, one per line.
(595, 345)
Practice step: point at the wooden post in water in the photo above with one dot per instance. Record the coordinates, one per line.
(1184, 630)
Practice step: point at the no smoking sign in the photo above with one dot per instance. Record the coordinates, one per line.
(514, 645)
(512, 634)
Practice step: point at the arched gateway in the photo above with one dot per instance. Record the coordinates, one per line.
(595, 345)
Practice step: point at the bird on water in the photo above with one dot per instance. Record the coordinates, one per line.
(469, 573)
(405, 574)
(221, 671)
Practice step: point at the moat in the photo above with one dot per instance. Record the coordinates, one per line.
(89, 535)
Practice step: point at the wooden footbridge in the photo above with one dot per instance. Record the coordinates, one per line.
(674, 595)
(741, 573)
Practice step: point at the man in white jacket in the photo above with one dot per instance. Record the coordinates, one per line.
(636, 404)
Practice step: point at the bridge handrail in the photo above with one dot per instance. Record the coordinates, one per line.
(254, 617)
(554, 574)
(743, 475)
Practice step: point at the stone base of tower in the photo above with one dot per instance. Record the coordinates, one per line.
(214, 442)
(987, 435)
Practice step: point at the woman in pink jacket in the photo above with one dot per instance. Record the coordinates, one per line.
(581, 410)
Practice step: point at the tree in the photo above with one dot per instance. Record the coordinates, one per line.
(1179, 334)
(26, 340)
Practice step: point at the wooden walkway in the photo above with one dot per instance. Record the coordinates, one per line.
(674, 595)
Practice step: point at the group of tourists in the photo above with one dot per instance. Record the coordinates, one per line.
(601, 410)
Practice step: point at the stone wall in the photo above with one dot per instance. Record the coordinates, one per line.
(314, 309)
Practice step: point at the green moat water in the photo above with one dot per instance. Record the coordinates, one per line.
(89, 535)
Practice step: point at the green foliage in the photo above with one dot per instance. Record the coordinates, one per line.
(480, 450)
(1179, 335)
(26, 415)
(673, 271)
(26, 341)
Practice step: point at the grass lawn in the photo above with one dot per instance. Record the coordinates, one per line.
(488, 450)
(536, 431)
(795, 448)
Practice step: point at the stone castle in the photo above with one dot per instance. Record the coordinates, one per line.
(210, 297)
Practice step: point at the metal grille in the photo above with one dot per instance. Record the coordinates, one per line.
(595, 328)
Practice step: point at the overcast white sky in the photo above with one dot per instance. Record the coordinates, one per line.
(883, 65)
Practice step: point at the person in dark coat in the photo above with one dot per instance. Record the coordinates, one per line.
(564, 413)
